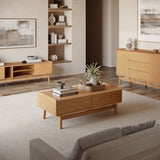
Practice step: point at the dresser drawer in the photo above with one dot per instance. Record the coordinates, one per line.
(140, 57)
(138, 75)
(139, 66)
(73, 105)
(105, 99)
(2, 75)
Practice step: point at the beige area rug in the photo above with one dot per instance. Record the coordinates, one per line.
(21, 120)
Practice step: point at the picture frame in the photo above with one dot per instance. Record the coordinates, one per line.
(149, 20)
(18, 33)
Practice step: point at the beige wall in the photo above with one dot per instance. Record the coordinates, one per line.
(26, 9)
(128, 25)
(39, 9)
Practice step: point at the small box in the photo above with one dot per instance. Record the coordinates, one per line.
(61, 18)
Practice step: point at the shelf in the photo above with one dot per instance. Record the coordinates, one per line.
(62, 61)
(23, 70)
(59, 9)
(53, 27)
(63, 44)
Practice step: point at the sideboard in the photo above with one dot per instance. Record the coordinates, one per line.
(139, 66)
(17, 71)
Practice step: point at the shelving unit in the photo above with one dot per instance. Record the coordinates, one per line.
(17, 71)
(62, 50)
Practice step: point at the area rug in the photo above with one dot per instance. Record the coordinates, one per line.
(21, 120)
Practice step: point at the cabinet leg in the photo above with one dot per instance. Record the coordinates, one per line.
(48, 78)
(44, 114)
(60, 122)
(116, 109)
(119, 80)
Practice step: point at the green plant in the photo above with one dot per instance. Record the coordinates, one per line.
(92, 70)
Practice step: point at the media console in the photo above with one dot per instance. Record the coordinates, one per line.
(17, 71)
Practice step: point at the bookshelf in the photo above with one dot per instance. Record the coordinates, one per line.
(62, 50)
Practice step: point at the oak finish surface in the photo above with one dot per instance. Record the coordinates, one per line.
(81, 104)
(139, 66)
(12, 72)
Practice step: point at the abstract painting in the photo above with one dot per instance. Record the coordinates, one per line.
(149, 20)
(15, 33)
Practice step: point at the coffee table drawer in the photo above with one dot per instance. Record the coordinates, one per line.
(73, 105)
(105, 99)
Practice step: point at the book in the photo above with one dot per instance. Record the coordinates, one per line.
(64, 90)
(65, 94)
(33, 61)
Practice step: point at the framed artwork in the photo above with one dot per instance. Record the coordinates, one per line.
(16, 33)
(149, 20)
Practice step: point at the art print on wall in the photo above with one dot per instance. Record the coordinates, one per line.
(16, 33)
(149, 20)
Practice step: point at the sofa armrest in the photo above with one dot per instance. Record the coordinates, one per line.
(40, 150)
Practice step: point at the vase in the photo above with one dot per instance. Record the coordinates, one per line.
(93, 81)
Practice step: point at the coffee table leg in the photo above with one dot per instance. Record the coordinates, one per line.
(60, 122)
(115, 109)
(44, 114)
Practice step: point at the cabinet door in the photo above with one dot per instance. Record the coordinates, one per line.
(155, 69)
(43, 68)
(122, 63)
(2, 75)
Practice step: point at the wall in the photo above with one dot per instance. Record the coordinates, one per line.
(79, 42)
(128, 25)
(39, 9)
(26, 9)
(110, 30)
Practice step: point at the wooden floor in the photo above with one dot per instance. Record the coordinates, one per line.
(109, 76)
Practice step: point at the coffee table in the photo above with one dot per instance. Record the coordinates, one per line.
(82, 104)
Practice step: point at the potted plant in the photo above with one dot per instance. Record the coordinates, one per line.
(93, 73)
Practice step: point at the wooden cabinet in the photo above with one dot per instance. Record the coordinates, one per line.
(12, 72)
(2, 73)
(42, 68)
(155, 69)
(122, 63)
(139, 66)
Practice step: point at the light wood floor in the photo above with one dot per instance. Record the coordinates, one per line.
(109, 76)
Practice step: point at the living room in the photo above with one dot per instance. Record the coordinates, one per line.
(119, 110)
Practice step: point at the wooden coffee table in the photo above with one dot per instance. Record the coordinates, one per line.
(82, 104)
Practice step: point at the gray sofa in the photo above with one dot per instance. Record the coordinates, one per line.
(138, 142)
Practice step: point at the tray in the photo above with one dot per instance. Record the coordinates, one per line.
(92, 88)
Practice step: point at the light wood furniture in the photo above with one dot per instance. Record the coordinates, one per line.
(12, 72)
(81, 104)
(63, 51)
(139, 66)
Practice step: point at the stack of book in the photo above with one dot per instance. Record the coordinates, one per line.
(68, 91)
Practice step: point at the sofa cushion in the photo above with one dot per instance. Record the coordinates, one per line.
(92, 140)
(136, 128)
(124, 147)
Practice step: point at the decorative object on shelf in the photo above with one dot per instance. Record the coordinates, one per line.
(32, 57)
(155, 50)
(16, 33)
(53, 38)
(1, 63)
(52, 19)
(61, 18)
(59, 2)
(53, 6)
(53, 57)
(60, 36)
(129, 45)
(93, 73)
(148, 20)
(62, 41)
(61, 84)
(63, 6)
(61, 24)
